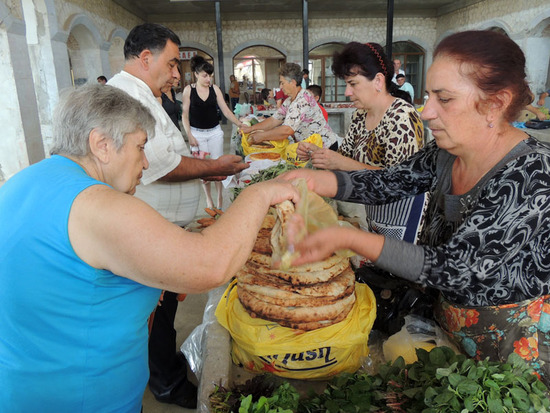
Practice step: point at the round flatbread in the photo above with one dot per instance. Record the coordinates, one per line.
(263, 242)
(314, 325)
(261, 145)
(276, 287)
(313, 273)
(286, 299)
(260, 156)
(271, 312)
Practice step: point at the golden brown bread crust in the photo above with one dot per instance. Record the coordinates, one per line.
(260, 156)
(276, 287)
(294, 314)
(304, 274)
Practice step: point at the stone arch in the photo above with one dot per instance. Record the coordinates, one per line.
(260, 42)
(325, 40)
(495, 23)
(85, 46)
(537, 50)
(200, 46)
(539, 25)
(116, 50)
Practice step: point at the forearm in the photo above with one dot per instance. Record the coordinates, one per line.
(276, 134)
(239, 225)
(186, 124)
(191, 168)
(231, 116)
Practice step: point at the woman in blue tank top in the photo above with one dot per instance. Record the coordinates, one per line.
(82, 262)
(200, 120)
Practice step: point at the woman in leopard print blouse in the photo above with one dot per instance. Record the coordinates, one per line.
(385, 130)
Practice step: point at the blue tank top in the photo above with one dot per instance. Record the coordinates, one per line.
(72, 338)
(203, 114)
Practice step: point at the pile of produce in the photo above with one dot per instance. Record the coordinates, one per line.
(439, 382)
(306, 297)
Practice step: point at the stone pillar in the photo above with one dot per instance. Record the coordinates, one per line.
(22, 140)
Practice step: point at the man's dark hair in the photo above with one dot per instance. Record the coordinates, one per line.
(316, 90)
(101, 78)
(399, 76)
(305, 72)
(148, 36)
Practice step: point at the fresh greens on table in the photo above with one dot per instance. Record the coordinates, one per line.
(439, 382)
(266, 174)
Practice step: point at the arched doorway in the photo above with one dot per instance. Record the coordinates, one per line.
(116, 55)
(320, 72)
(412, 61)
(255, 68)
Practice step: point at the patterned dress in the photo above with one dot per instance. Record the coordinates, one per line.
(487, 251)
(304, 116)
(399, 135)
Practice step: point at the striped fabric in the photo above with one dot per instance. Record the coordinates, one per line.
(401, 219)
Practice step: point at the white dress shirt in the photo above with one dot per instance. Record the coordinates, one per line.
(175, 201)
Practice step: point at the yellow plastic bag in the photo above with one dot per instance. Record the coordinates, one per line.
(265, 346)
(291, 154)
(268, 146)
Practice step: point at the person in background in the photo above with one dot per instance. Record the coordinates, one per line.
(267, 97)
(169, 185)
(200, 119)
(385, 130)
(234, 91)
(280, 97)
(397, 70)
(305, 79)
(170, 104)
(88, 261)
(101, 80)
(485, 242)
(404, 85)
(317, 93)
(299, 116)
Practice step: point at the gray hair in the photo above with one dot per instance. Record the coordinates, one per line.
(292, 71)
(106, 108)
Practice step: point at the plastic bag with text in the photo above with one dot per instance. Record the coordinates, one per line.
(291, 150)
(264, 346)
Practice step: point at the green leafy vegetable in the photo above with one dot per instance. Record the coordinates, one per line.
(439, 382)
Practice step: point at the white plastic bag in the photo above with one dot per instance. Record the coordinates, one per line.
(418, 332)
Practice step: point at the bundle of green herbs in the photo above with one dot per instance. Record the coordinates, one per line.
(440, 381)
(265, 175)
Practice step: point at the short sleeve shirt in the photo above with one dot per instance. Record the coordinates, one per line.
(305, 117)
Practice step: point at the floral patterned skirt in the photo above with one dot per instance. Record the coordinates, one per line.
(497, 331)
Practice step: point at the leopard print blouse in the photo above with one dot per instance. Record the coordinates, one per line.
(399, 134)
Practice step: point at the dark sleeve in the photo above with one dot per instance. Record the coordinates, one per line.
(504, 238)
(413, 176)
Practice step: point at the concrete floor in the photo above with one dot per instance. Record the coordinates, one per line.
(190, 311)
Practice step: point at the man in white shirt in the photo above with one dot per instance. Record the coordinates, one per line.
(397, 70)
(404, 85)
(169, 185)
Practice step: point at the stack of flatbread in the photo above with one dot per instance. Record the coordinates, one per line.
(306, 297)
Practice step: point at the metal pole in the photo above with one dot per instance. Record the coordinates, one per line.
(305, 36)
(220, 52)
(389, 30)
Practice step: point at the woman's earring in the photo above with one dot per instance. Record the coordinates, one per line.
(379, 90)
(491, 125)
